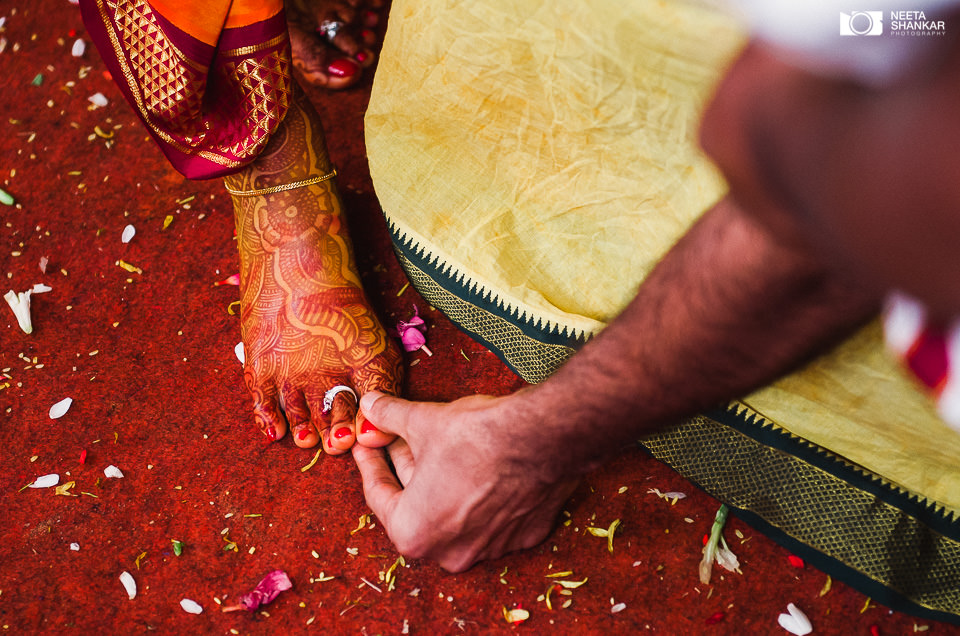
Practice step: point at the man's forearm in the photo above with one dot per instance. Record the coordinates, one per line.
(726, 311)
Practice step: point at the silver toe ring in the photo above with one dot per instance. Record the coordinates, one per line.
(332, 393)
(329, 29)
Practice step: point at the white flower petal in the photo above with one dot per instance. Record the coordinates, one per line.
(20, 304)
(128, 233)
(112, 471)
(129, 584)
(40, 288)
(796, 622)
(241, 355)
(75, 547)
(60, 409)
(46, 481)
(79, 46)
(619, 607)
(98, 99)
(191, 607)
(727, 559)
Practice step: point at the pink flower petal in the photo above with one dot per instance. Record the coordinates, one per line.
(266, 590)
(230, 280)
(411, 332)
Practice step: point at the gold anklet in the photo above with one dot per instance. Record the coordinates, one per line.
(281, 188)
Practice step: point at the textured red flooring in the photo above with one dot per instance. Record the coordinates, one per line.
(148, 360)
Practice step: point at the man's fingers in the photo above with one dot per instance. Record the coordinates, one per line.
(380, 487)
(387, 413)
(402, 458)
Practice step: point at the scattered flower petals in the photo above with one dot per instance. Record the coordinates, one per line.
(45, 481)
(6, 198)
(412, 332)
(267, 590)
(826, 586)
(515, 615)
(79, 47)
(727, 559)
(715, 618)
(112, 471)
(128, 233)
(796, 622)
(40, 288)
(241, 355)
(60, 409)
(133, 269)
(44, 261)
(75, 547)
(230, 280)
(167, 221)
(129, 584)
(20, 304)
(795, 561)
(83, 456)
(177, 547)
(98, 99)
(619, 607)
(191, 607)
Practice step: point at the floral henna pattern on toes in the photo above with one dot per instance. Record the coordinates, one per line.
(305, 320)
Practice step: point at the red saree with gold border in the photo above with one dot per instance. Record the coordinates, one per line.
(211, 81)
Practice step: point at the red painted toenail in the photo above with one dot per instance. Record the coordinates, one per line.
(303, 433)
(367, 427)
(340, 433)
(361, 57)
(343, 68)
(271, 433)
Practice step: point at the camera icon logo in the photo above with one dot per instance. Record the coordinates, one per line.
(861, 23)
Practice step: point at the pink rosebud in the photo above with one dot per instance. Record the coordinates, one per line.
(230, 280)
(412, 335)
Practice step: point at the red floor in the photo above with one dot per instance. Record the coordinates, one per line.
(148, 360)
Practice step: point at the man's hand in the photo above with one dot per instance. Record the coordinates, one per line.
(466, 487)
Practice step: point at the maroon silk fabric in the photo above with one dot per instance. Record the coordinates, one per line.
(211, 109)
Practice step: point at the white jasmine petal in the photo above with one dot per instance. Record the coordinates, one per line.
(75, 547)
(60, 409)
(727, 559)
(46, 481)
(113, 471)
(128, 233)
(79, 46)
(129, 584)
(619, 607)
(191, 607)
(796, 622)
(98, 99)
(40, 288)
(241, 355)
(20, 304)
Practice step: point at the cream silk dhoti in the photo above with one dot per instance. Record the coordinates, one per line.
(534, 160)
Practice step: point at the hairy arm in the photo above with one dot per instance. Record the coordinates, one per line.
(729, 309)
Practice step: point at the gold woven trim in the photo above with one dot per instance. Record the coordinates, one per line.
(818, 509)
(256, 48)
(534, 361)
(281, 188)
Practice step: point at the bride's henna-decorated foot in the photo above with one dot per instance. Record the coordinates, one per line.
(332, 41)
(307, 325)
